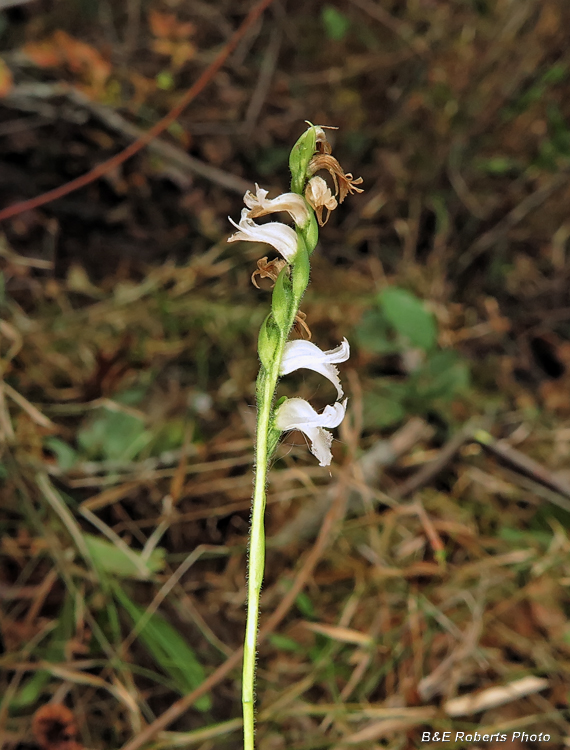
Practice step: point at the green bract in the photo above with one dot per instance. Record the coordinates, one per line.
(281, 301)
(268, 341)
(301, 154)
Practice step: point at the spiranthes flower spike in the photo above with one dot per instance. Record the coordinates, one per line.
(305, 355)
(305, 204)
(298, 414)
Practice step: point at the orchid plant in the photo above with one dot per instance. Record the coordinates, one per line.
(309, 199)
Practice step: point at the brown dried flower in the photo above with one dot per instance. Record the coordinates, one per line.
(322, 144)
(301, 327)
(344, 183)
(267, 270)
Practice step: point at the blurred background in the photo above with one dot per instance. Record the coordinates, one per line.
(429, 569)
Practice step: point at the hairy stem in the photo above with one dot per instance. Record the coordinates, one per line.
(266, 385)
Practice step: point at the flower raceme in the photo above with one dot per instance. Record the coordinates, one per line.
(298, 414)
(299, 355)
(309, 199)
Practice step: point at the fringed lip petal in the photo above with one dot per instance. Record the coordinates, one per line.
(278, 235)
(260, 205)
(299, 355)
(298, 414)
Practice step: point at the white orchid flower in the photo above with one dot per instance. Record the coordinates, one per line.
(280, 236)
(260, 205)
(298, 414)
(305, 355)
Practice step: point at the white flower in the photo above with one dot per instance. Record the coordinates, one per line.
(280, 236)
(298, 414)
(304, 354)
(261, 205)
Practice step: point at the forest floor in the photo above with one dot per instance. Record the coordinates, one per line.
(422, 584)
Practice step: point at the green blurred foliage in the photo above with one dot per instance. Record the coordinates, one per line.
(400, 322)
(336, 23)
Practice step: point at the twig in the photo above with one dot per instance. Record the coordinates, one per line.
(25, 95)
(431, 469)
(487, 240)
(521, 462)
(151, 134)
(266, 72)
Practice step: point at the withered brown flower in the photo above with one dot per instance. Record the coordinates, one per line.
(344, 183)
(268, 270)
(301, 327)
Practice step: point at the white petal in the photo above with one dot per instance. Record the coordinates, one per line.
(303, 354)
(260, 205)
(298, 414)
(280, 236)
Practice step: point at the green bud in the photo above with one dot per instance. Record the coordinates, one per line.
(268, 341)
(281, 301)
(301, 271)
(301, 154)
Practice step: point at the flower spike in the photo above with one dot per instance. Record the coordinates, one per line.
(260, 205)
(305, 355)
(309, 204)
(280, 236)
(298, 414)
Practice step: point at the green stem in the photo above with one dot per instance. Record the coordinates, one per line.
(267, 383)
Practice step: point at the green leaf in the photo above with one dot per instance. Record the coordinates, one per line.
(116, 561)
(372, 333)
(497, 165)
(30, 692)
(110, 434)
(443, 376)
(168, 648)
(409, 317)
(382, 410)
(336, 23)
(285, 643)
(164, 80)
(64, 453)
(305, 605)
